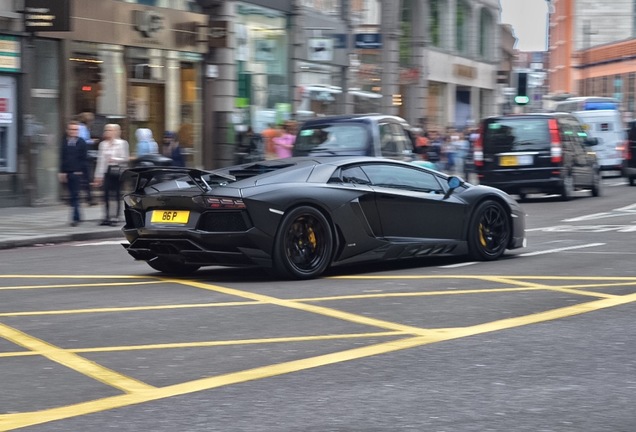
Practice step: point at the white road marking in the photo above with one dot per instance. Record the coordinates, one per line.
(103, 243)
(464, 264)
(561, 249)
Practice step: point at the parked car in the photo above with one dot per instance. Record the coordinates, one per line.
(152, 159)
(629, 163)
(356, 135)
(537, 153)
(299, 216)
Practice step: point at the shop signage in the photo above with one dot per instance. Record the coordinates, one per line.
(46, 15)
(9, 54)
(320, 49)
(369, 41)
(148, 23)
(217, 34)
(464, 71)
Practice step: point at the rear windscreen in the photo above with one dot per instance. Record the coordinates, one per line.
(520, 134)
(333, 139)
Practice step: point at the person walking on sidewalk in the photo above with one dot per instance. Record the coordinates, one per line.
(112, 160)
(73, 165)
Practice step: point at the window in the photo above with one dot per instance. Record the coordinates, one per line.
(394, 140)
(434, 23)
(485, 34)
(405, 178)
(351, 175)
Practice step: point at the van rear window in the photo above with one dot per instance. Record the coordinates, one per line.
(517, 134)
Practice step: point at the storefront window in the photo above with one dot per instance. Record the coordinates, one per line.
(261, 54)
(98, 84)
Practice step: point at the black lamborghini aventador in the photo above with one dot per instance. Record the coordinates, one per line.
(299, 216)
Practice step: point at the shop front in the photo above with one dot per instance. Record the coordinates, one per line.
(135, 65)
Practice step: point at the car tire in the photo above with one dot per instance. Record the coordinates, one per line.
(489, 231)
(632, 181)
(304, 244)
(567, 187)
(172, 267)
(597, 184)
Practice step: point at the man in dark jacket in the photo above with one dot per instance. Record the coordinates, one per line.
(73, 165)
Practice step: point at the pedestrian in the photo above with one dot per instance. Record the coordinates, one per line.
(172, 149)
(434, 151)
(112, 159)
(284, 143)
(85, 120)
(449, 152)
(73, 162)
(250, 146)
(268, 135)
(463, 146)
(146, 144)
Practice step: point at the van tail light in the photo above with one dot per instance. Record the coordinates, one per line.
(626, 151)
(478, 149)
(556, 151)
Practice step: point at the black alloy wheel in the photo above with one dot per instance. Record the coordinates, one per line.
(489, 232)
(304, 244)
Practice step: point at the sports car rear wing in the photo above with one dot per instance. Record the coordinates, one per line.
(147, 176)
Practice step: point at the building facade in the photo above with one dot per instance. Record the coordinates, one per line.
(593, 50)
(134, 64)
(209, 69)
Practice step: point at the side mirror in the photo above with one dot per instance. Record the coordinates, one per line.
(453, 183)
(591, 141)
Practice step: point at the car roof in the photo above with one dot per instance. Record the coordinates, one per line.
(369, 117)
(546, 115)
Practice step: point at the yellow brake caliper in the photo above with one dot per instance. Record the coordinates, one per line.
(312, 238)
(482, 237)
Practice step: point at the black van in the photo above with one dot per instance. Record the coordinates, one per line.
(536, 153)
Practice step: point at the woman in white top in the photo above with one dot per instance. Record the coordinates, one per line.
(112, 159)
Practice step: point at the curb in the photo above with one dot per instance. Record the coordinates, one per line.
(60, 238)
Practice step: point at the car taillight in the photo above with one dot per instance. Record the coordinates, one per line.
(219, 203)
(556, 152)
(478, 149)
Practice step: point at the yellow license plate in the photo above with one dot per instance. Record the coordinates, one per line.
(508, 161)
(170, 216)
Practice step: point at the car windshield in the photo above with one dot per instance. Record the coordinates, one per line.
(522, 134)
(332, 139)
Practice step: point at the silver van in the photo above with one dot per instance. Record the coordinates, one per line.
(607, 126)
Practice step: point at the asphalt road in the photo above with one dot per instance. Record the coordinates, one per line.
(541, 340)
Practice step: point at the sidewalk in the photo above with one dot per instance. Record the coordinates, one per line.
(31, 226)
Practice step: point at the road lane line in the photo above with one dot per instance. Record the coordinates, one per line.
(549, 251)
(208, 344)
(73, 361)
(87, 285)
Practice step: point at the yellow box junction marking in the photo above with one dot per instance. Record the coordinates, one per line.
(137, 392)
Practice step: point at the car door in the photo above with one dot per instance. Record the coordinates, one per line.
(580, 158)
(411, 203)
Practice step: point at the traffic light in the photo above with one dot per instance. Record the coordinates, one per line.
(522, 89)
